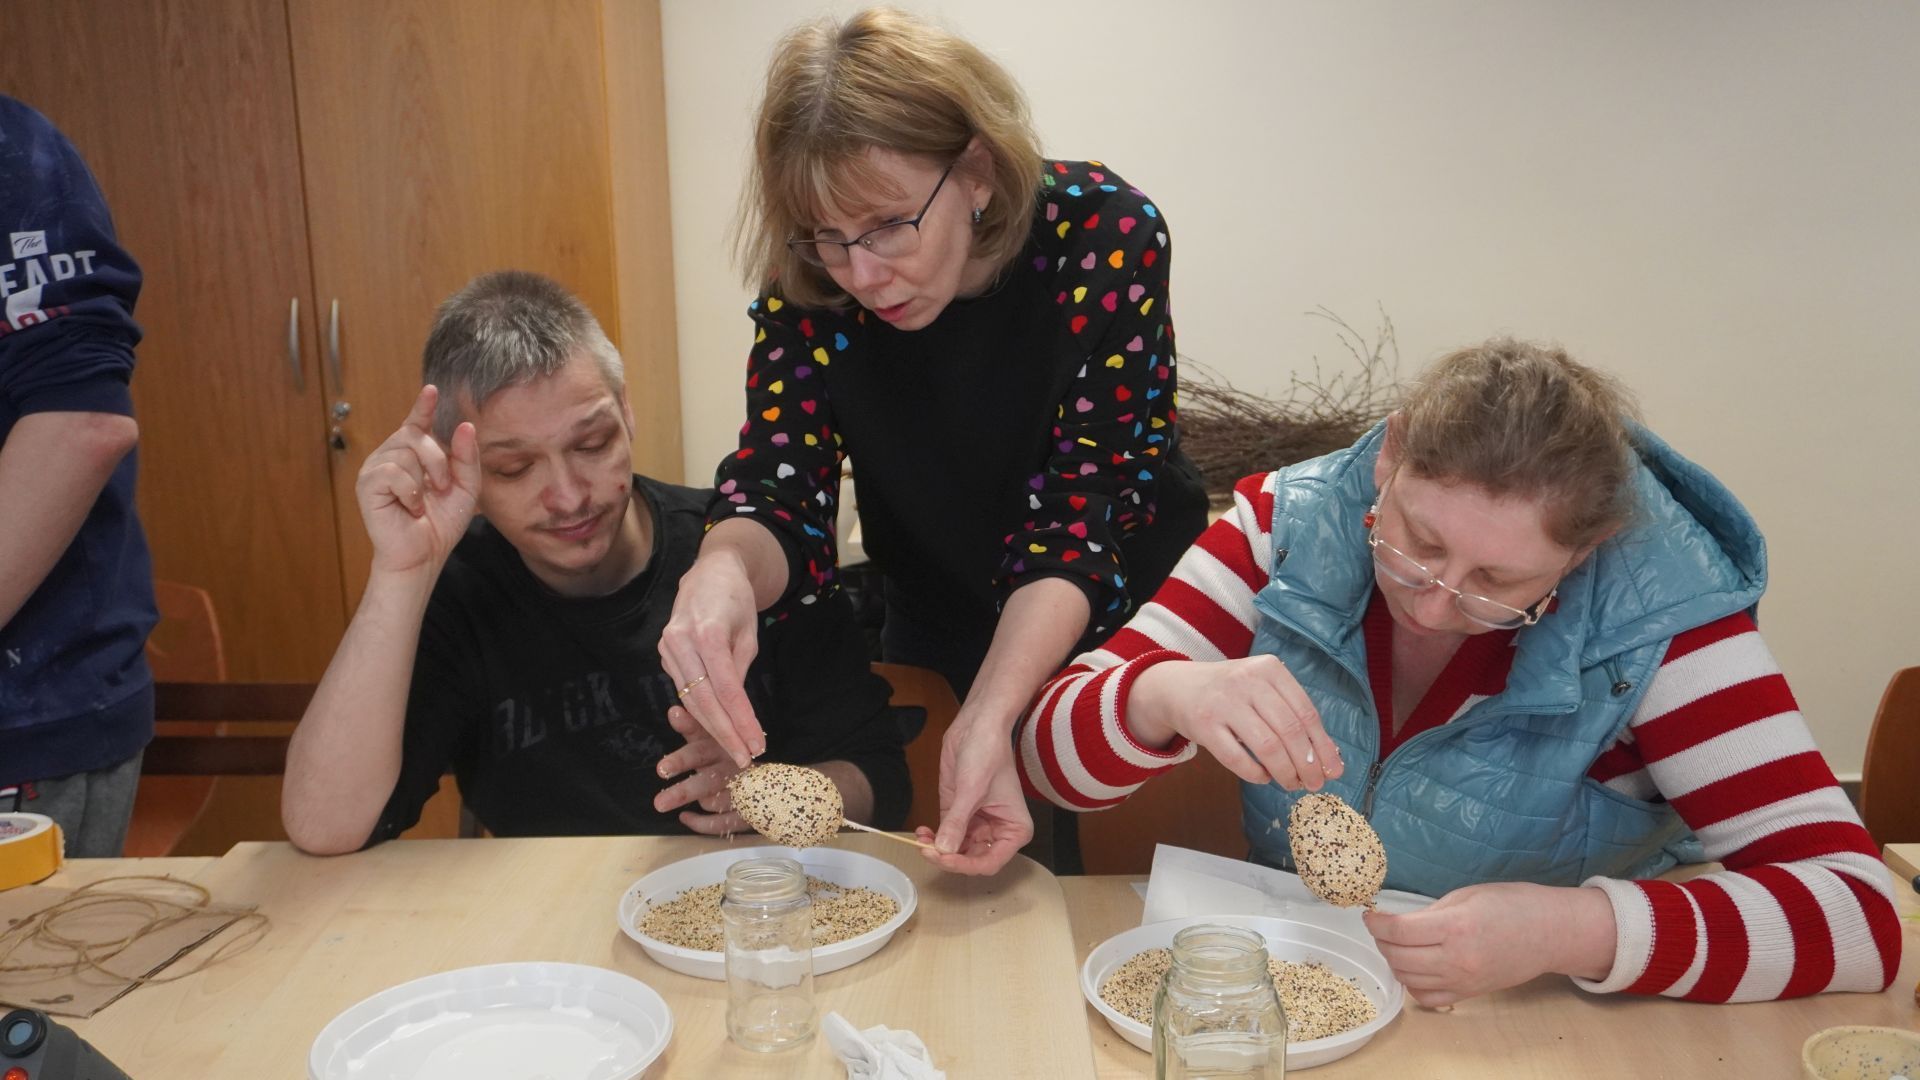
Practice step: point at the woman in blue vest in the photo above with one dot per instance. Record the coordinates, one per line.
(1514, 629)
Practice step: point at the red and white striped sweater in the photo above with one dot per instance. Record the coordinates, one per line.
(1803, 904)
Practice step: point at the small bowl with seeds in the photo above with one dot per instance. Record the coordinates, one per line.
(1336, 991)
(1861, 1053)
(858, 903)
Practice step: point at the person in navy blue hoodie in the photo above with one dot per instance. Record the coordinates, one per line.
(76, 582)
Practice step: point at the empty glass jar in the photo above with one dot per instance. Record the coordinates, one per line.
(768, 922)
(1217, 1015)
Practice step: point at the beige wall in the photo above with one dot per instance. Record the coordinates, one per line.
(1715, 200)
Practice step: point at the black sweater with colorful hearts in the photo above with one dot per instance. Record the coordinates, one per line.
(1027, 432)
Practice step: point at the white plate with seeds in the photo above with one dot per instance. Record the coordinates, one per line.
(846, 869)
(1357, 962)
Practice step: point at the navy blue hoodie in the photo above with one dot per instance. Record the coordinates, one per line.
(75, 691)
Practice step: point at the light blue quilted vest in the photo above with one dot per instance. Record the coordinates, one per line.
(1501, 793)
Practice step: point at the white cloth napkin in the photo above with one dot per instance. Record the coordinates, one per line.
(879, 1052)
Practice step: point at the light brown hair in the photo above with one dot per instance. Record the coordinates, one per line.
(888, 80)
(1523, 419)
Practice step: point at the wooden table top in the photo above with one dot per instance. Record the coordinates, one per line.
(1905, 861)
(984, 971)
(987, 971)
(1548, 1027)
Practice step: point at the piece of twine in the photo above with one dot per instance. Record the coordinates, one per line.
(51, 929)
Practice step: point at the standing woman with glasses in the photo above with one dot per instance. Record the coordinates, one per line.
(986, 334)
(1515, 630)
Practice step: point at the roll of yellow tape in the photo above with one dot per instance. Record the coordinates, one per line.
(31, 849)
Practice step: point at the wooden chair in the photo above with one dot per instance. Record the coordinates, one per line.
(1890, 780)
(205, 785)
(185, 646)
(266, 710)
(232, 737)
(1196, 805)
(238, 733)
(918, 687)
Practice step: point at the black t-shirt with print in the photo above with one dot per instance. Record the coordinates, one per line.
(552, 711)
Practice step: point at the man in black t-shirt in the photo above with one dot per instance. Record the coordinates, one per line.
(511, 621)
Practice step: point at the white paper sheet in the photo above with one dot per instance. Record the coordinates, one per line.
(1186, 882)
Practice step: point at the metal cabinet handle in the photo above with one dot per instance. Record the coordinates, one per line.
(293, 342)
(337, 435)
(333, 346)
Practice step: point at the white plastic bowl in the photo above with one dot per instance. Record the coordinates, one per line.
(498, 1022)
(829, 864)
(1286, 940)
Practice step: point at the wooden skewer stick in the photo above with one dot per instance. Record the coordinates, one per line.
(852, 824)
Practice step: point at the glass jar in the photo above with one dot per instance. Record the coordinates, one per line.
(1217, 1013)
(767, 918)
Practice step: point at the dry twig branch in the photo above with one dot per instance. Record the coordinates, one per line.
(1231, 433)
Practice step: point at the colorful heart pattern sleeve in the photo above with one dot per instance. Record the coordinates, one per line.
(1106, 246)
(786, 472)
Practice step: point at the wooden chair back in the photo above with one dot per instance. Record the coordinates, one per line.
(1196, 805)
(185, 645)
(266, 712)
(235, 735)
(1890, 780)
(211, 775)
(926, 689)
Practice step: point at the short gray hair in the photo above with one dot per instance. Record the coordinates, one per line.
(504, 329)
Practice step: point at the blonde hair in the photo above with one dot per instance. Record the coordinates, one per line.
(1518, 418)
(882, 79)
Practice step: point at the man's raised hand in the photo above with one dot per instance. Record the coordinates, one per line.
(415, 496)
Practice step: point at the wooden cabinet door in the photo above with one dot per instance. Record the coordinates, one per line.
(442, 139)
(185, 111)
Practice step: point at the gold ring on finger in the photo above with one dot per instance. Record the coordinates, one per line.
(702, 677)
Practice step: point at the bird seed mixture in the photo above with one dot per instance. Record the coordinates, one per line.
(790, 805)
(1317, 1002)
(692, 919)
(1338, 854)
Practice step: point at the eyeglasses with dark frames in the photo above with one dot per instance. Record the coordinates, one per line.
(894, 240)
